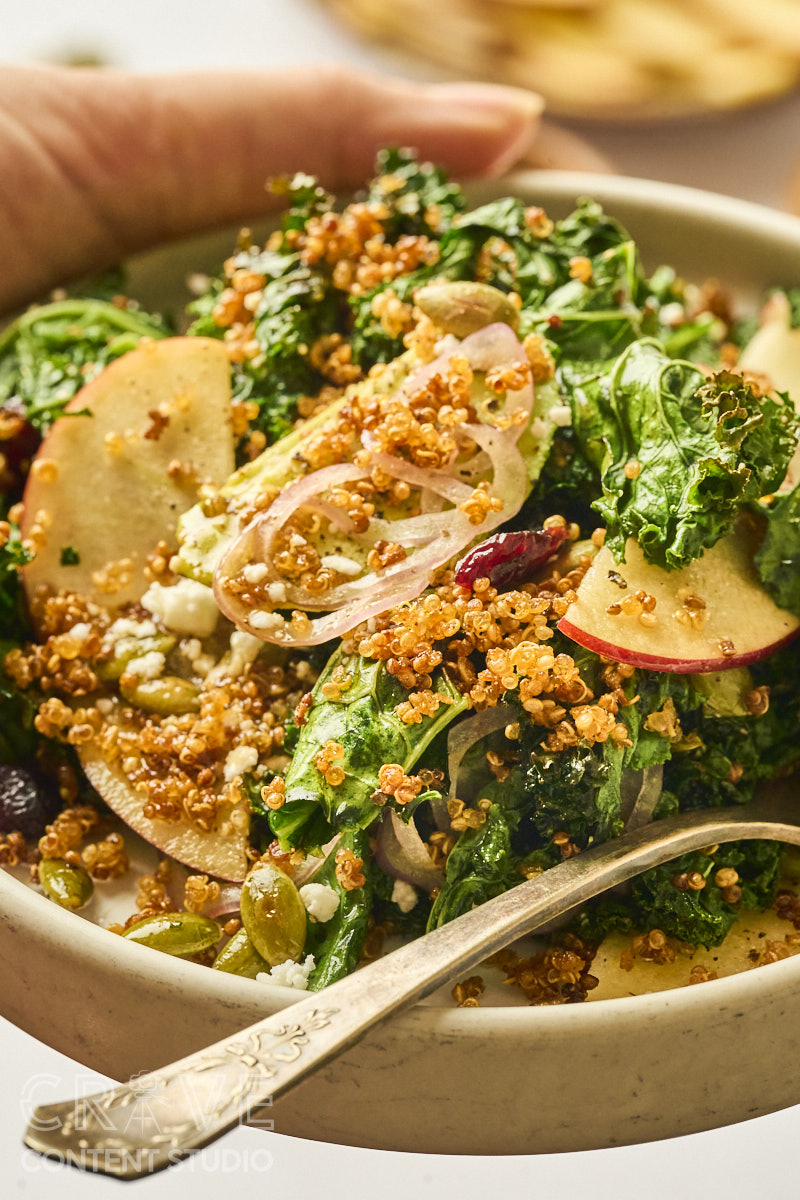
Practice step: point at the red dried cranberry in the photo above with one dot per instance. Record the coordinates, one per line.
(510, 558)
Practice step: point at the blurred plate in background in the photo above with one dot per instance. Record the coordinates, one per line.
(616, 59)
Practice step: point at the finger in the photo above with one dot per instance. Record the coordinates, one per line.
(557, 149)
(102, 163)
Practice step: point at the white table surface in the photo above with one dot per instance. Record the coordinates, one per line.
(754, 155)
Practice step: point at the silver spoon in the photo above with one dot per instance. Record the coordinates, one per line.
(157, 1119)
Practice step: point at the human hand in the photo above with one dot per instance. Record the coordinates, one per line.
(98, 164)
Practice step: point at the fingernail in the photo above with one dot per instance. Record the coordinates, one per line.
(512, 112)
(492, 97)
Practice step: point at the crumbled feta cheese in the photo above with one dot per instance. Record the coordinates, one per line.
(242, 759)
(277, 592)
(255, 572)
(561, 414)
(81, 631)
(104, 705)
(321, 901)
(342, 564)
(186, 607)
(147, 666)
(404, 895)
(289, 974)
(125, 627)
(266, 620)
(201, 663)
(538, 428)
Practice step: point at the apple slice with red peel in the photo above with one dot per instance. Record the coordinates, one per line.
(100, 482)
(220, 853)
(739, 624)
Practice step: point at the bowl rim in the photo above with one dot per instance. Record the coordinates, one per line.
(154, 968)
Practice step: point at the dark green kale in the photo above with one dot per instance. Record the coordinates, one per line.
(338, 944)
(778, 558)
(364, 723)
(704, 450)
(481, 865)
(703, 917)
(48, 353)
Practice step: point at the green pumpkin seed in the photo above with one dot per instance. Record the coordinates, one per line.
(240, 957)
(129, 648)
(273, 914)
(180, 933)
(462, 307)
(71, 887)
(167, 695)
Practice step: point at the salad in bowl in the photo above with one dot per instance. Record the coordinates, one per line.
(438, 546)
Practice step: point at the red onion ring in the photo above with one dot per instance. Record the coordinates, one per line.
(400, 852)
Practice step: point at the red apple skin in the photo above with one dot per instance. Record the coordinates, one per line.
(734, 606)
(655, 662)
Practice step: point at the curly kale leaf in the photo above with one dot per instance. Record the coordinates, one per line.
(48, 353)
(704, 917)
(480, 865)
(778, 558)
(338, 944)
(418, 197)
(364, 723)
(703, 450)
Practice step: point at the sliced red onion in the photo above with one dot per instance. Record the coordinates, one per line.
(313, 863)
(646, 797)
(461, 738)
(400, 852)
(227, 902)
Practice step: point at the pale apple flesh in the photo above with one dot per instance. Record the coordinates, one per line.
(221, 852)
(104, 483)
(100, 483)
(739, 624)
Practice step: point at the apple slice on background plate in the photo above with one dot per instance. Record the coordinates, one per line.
(711, 615)
(100, 483)
(220, 853)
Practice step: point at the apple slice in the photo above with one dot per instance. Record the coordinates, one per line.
(739, 624)
(217, 853)
(100, 482)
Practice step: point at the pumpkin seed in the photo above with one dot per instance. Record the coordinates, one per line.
(69, 886)
(240, 957)
(462, 307)
(129, 648)
(180, 933)
(167, 695)
(273, 914)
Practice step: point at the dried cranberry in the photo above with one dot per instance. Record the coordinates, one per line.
(24, 804)
(510, 558)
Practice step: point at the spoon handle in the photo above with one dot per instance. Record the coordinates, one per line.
(158, 1118)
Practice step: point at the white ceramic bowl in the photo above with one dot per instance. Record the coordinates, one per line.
(449, 1080)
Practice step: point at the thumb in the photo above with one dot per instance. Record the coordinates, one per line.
(97, 164)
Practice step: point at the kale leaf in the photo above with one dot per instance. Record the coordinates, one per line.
(48, 353)
(703, 450)
(480, 865)
(338, 944)
(364, 723)
(778, 557)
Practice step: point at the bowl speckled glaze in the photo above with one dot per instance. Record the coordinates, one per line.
(473, 1081)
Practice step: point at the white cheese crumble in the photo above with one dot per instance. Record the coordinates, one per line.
(147, 666)
(242, 759)
(125, 627)
(80, 632)
(404, 895)
(561, 414)
(266, 620)
(277, 592)
(255, 572)
(289, 974)
(342, 564)
(321, 901)
(187, 607)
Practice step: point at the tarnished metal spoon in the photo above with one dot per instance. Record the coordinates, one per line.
(157, 1119)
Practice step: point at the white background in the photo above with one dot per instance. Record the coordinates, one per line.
(754, 155)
